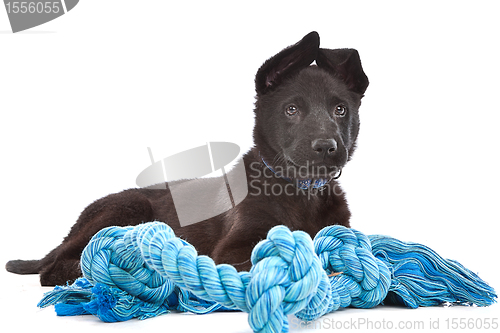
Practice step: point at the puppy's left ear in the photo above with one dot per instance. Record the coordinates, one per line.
(346, 65)
(286, 63)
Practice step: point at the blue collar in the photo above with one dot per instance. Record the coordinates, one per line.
(303, 184)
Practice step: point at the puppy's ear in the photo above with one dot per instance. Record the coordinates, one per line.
(346, 65)
(286, 63)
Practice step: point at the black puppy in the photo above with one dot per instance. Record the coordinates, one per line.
(306, 125)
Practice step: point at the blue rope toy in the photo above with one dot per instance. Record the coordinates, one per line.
(144, 271)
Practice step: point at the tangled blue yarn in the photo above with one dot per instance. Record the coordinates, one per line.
(145, 271)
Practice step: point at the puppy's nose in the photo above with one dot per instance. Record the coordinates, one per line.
(324, 147)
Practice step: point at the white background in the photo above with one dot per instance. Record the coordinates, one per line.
(83, 96)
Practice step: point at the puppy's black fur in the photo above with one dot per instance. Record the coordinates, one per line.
(306, 120)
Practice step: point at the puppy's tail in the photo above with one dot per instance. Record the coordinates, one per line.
(24, 266)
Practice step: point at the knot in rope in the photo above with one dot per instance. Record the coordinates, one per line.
(364, 280)
(113, 258)
(286, 274)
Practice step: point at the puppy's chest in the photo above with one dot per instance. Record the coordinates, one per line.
(309, 214)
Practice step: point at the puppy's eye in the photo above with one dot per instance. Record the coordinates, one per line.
(340, 110)
(291, 110)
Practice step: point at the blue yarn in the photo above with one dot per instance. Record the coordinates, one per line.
(420, 277)
(145, 271)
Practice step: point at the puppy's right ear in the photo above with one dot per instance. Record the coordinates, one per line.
(286, 63)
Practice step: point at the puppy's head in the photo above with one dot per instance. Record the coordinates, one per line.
(307, 119)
